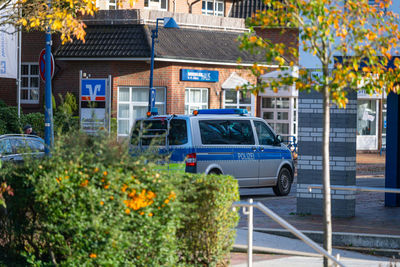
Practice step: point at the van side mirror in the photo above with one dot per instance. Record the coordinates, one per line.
(278, 140)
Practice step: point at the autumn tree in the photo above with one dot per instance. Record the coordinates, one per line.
(363, 35)
(62, 16)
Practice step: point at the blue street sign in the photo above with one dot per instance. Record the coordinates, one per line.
(93, 90)
(199, 75)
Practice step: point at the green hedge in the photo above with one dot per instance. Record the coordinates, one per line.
(91, 204)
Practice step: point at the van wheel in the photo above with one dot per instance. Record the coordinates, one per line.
(214, 171)
(283, 183)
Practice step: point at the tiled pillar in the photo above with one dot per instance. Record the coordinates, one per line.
(392, 171)
(342, 154)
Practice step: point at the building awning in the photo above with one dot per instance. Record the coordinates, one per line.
(275, 74)
(234, 81)
(287, 91)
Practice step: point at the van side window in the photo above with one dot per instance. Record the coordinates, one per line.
(177, 132)
(265, 135)
(231, 132)
(154, 132)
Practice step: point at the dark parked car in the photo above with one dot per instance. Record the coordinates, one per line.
(14, 147)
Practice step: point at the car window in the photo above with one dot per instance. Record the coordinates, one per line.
(19, 145)
(35, 145)
(226, 132)
(5, 147)
(264, 134)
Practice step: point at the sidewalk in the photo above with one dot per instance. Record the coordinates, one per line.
(284, 251)
(372, 217)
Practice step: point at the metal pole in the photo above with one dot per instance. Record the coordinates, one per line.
(288, 226)
(152, 91)
(48, 114)
(358, 188)
(250, 236)
(249, 214)
(19, 70)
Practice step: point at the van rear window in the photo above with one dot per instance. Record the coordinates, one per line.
(155, 131)
(231, 132)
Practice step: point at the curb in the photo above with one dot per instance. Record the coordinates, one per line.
(348, 240)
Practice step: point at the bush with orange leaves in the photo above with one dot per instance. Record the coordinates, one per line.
(93, 204)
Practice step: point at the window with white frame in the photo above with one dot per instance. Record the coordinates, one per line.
(195, 98)
(133, 104)
(281, 115)
(112, 4)
(213, 7)
(30, 83)
(239, 99)
(156, 4)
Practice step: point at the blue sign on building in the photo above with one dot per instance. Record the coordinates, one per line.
(199, 75)
(93, 90)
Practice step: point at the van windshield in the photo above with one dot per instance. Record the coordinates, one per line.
(155, 131)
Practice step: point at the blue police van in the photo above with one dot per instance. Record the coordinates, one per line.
(220, 141)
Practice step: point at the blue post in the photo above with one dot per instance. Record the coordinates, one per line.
(48, 113)
(392, 171)
(168, 23)
(152, 91)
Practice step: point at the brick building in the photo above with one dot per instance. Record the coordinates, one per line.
(118, 43)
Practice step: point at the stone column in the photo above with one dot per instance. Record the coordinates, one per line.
(342, 154)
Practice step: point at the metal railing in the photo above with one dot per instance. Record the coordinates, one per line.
(357, 188)
(280, 221)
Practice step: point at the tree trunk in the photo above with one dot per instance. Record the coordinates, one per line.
(326, 178)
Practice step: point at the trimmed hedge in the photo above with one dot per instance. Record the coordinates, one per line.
(91, 204)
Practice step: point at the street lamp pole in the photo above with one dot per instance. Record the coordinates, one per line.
(168, 23)
(48, 114)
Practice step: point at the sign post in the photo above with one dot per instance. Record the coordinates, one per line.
(48, 112)
(94, 102)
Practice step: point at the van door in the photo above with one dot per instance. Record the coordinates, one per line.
(268, 154)
(229, 144)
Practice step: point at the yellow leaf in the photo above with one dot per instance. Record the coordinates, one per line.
(355, 65)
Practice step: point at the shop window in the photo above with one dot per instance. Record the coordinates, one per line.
(213, 7)
(366, 117)
(268, 115)
(156, 4)
(281, 115)
(30, 83)
(133, 104)
(238, 99)
(268, 102)
(195, 98)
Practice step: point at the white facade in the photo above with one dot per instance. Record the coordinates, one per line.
(280, 109)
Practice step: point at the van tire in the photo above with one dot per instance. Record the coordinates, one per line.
(215, 171)
(283, 184)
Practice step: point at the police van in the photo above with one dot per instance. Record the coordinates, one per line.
(220, 141)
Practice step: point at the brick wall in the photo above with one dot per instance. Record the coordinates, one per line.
(126, 73)
(342, 154)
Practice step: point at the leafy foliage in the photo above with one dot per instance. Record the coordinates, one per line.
(208, 219)
(363, 35)
(91, 203)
